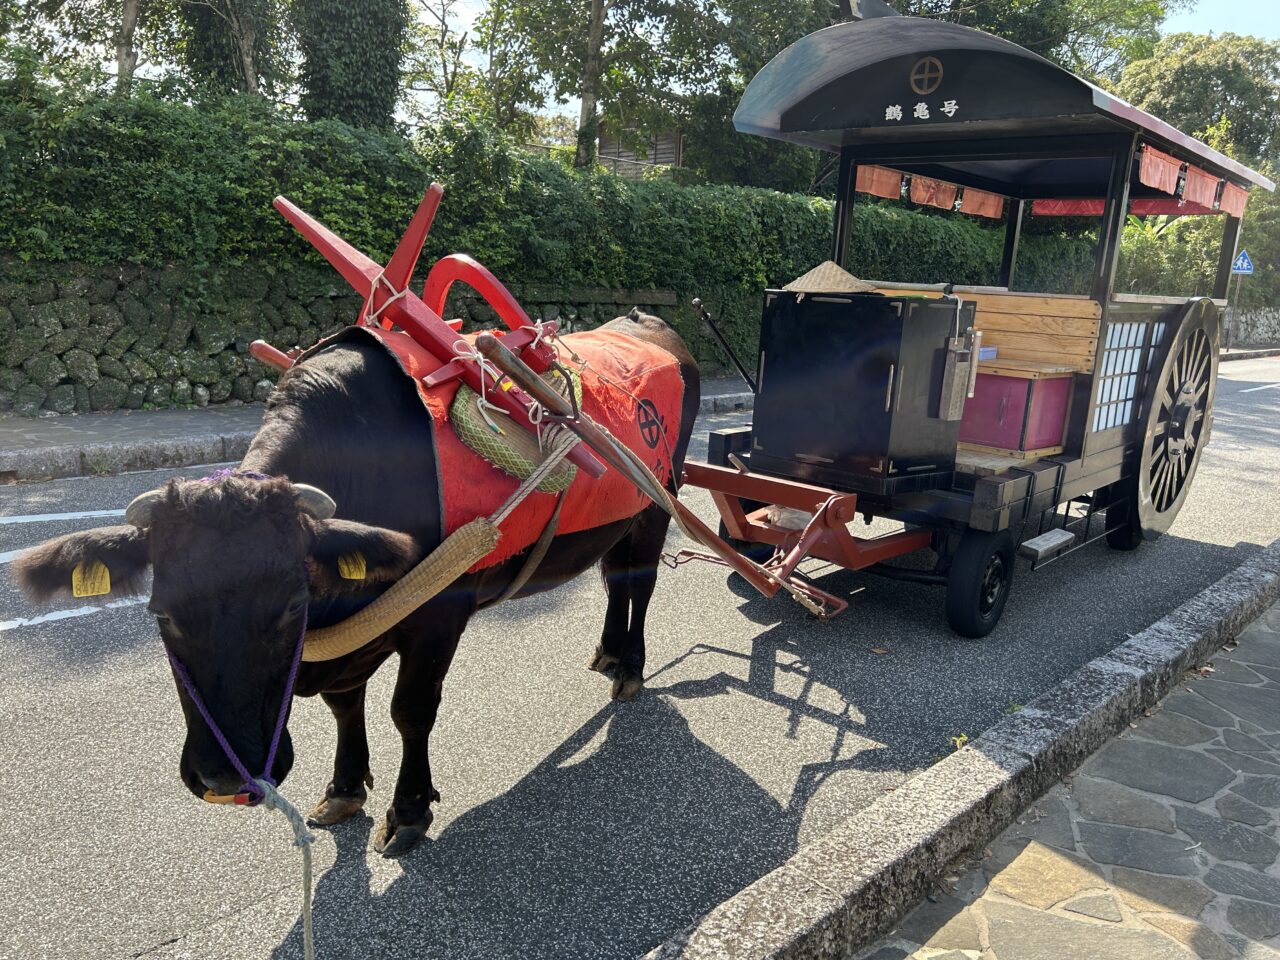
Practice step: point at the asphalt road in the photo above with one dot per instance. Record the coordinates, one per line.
(570, 827)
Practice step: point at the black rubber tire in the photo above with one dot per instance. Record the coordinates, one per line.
(979, 582)
(1122, 510)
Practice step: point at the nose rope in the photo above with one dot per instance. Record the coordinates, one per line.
(262, 790)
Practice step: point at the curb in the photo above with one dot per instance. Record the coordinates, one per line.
(856, 882)
(96, 459)
(1249, 354)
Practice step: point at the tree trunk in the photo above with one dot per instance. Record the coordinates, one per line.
(589, 88)
(244, 34)
(126, 55)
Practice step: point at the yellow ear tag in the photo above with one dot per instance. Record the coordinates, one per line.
(351, 566)
(91, 581)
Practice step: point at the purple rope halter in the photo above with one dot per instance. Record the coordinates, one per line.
(249, 789)
(252, 796)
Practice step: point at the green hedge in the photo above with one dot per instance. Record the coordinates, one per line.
(99, 180)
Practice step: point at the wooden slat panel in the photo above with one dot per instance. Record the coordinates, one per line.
(1079, 364)
(981, 462)
(1020, 346)
(1041, 305)
(1020, 455)
(1026, 369)
(1032, 323)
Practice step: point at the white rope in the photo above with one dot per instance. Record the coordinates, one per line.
(272, 800)
(466, 350)
(564, 441)
(374, 317)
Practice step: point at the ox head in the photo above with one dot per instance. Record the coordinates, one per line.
(236, 561)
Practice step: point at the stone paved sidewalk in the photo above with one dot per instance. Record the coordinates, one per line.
(1162, 846)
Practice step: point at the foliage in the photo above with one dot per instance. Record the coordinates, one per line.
(630, 55)
(351, 57)
(1195, 81)
(234, 45)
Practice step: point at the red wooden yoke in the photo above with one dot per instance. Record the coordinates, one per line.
(389, 302)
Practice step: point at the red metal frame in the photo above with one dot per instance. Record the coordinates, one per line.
(389, 301)
(826, 536)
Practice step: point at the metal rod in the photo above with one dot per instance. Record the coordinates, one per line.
(705, 314)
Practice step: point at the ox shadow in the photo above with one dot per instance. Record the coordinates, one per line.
(629, 830)
(645, 817)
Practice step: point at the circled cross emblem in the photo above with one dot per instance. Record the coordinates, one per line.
(926, 75)
(650, 422)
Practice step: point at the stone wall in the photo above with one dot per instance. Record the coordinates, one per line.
(1256, 327)
(75, 339)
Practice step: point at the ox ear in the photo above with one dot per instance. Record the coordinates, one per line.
(50, 569)
(349, 556)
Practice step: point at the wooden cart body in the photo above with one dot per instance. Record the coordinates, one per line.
(944, 104)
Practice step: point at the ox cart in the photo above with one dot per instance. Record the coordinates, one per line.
(986, 421)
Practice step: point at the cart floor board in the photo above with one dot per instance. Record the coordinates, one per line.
(988, 464)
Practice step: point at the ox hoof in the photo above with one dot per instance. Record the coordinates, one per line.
(332, 810)
(396, 839)
(626, 685)
(602, 662)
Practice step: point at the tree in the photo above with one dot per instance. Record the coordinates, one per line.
(1194, 81)
(234, 45)
(351, 54)
(633, 56)
(109, 25)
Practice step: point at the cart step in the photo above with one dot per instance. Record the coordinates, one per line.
(1047, 545)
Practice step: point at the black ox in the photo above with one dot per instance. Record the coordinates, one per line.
(239, 562)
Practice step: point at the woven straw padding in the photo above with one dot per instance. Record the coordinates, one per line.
(829, 277)
(516, 451)
(459, 552)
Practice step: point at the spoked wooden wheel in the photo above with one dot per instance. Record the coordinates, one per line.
(1179, 419)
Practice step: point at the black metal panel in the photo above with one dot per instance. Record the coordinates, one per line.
(849, 391)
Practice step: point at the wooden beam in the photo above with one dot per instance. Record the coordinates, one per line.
(1033, 323)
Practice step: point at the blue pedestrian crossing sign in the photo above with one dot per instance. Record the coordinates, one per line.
(1242, 263)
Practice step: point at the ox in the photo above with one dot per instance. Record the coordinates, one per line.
(241, 564)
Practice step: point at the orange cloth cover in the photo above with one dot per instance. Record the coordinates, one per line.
(472, 487)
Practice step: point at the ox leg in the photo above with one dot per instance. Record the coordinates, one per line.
(345, 795)
(631, 573)
(414, 705)
(614, 567)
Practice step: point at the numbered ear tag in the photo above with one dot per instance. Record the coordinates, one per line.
(91, 580)
(351, 566)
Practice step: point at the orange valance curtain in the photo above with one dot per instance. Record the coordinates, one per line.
(933, 193)
(980, 203)
(879, 182)
(1200, 188)
(1159, 170)
(1233, 199)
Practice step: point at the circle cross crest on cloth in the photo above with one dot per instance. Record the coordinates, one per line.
(650, 422)
(926, 75)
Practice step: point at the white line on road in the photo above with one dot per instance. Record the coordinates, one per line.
(1265, 386)
(6, 557)
(7, 625)
(47, 517)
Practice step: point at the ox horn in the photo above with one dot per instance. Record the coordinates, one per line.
(315, 501)
(138, 512)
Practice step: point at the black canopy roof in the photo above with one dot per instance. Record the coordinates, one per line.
(899, 88)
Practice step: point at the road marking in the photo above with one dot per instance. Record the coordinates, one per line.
(47, 517)
(1265, 386)
(6, 557)
(7, 625)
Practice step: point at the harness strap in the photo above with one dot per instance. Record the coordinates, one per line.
(536, 555)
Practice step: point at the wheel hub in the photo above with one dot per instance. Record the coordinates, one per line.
(1181, 421)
